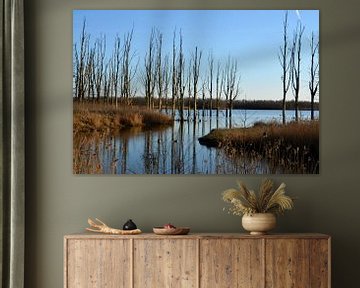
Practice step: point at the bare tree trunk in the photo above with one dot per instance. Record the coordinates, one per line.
(314, 72)
(295, 66)
(210, 81)
(106, 83)
(285, 65)
(100, 47)
(159, 67)
(89, 74)
(218, 89)
(174, 78)
(196, 73)
(149, 78)
(203, 100)
(76, 62)
(127, 70)
(166, 77)
(189, 89)
(181, 79)
(80, 64)
(115, 75)
(231, 80)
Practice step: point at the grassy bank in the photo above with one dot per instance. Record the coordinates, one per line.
(292, 146)
(88, 117)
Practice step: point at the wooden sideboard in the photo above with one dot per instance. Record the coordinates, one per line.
(197, 260)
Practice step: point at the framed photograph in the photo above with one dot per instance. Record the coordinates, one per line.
(195, 92)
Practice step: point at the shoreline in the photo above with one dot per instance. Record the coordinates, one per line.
(295, 143)
(262, 132)
(88, 117)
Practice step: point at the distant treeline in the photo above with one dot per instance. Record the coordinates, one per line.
(273, 105)
(238, 104)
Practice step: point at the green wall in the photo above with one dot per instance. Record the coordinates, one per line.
(59, 203)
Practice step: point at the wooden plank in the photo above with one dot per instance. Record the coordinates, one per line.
(287, 263)
(98, 263)
(263, 252)
(198, 263)
(319, 263)
(231, 263)
(131, 262)
(88, 235)
(165, 263)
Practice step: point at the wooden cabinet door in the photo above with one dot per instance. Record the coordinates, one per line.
(167, 263)
(287, 263)
(297, 263)
(320, 263)
(231, 263)
(98, 263)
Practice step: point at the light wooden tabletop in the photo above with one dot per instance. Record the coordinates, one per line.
(90, 235)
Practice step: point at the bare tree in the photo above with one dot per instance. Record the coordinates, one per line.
(314, 71)
(296, 65)
(100, 48)
(174, 85)
(189, 84)
(115, 68)
(128, 71)
(76, 62)
(285, 59)
(231, 83)
(203, 98)
(166, 77)
(196, 60)
(210, 80)
(181, 78)
(149, 77)
(110, 79)
(89, 74)
(159, 67)
(106, 87)
(81, 55)
(219, 87)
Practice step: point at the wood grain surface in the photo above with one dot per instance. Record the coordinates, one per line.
(197, 260)
(98, 263)
(165, 263)
(287, 263)
(320, 263)
(229, 263)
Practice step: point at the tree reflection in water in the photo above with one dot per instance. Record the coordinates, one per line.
(168, 150)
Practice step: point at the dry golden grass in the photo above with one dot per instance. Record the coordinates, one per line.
(292, 133)
(294, 146)
(267, 200)
(89, 117)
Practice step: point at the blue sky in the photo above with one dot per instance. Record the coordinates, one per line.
(252, 36)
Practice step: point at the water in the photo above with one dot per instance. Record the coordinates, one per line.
(173, 150)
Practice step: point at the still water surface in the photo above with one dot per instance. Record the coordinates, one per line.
(173, 150)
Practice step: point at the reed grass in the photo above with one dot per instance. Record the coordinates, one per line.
(293, 146)
(89, 117)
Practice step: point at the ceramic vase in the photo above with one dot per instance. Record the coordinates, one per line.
(259, 223)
